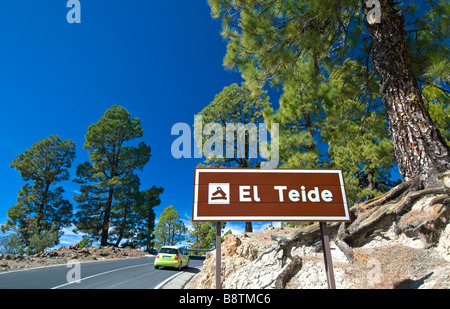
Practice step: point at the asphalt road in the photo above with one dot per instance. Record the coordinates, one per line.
(133, 273)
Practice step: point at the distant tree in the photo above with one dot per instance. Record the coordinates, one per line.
(295, 224)
(91, 202)
(170, 229)
(41, 211)
(145, 225)
(85, 242)
(10, 244)
(123, 218)
(202, 235)
(46, 239)
(132, 217)
(112, 164)
(227, 233)
(236, 107)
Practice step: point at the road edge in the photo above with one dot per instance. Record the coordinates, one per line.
(179, 280)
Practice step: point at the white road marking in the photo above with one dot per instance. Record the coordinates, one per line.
(96, 275)
(167, 280)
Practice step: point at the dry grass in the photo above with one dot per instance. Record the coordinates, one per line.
(391, 267)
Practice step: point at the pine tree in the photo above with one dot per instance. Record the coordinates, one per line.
(234, 105)
(272, 41)
(334, 128)
(123, 217)
(112, 164)
(202, 235)
(41, 210)
(420, 149)
(170, 229)
(145, 223)
(91, 202)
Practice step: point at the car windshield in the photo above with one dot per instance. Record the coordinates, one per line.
(168, 250)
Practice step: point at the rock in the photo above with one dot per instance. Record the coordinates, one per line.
(74, 247)
(443, 246)
(231, 243)
(391, 253)
(53, 253)
(84, 251)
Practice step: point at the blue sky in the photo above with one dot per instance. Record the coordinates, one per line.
(161, 60)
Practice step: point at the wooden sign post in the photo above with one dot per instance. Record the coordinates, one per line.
(327, 255)
(218, 255)
(236, 194)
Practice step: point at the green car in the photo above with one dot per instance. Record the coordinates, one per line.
(171, 256)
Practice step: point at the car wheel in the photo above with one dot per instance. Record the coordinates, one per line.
(156, 267)
(180, 265)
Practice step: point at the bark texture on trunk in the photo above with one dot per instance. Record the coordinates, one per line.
(248, 227)
(420, 150)
(106, 217)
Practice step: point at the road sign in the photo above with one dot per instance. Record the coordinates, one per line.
(239, 194)
(236, 194)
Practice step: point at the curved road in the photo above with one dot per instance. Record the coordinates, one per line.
(133, 273)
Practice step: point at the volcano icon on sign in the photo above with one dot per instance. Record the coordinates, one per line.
(219, 193)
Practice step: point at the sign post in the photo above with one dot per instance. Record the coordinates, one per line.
(236, 194)
(218, 255)
(327, 255)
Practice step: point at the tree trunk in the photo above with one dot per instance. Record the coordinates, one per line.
(148, 244)
(105, 228)
(248, 227)
(420, 150)
(122, 227)
(42, 205)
